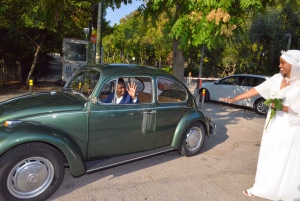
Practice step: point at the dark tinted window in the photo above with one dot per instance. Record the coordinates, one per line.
(229, 80)
(253, 81)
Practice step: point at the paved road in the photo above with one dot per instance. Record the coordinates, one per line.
(225, 167)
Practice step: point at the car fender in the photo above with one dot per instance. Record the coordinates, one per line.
(190, 117)
(27, 132)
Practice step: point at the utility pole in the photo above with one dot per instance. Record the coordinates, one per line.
(90, 58)
(199, 82)
(99, 34)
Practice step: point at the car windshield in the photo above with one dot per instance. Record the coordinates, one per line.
(83, 82)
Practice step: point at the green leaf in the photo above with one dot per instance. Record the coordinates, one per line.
(268, 102)
(278, 104)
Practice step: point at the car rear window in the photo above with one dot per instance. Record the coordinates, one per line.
(170, 91)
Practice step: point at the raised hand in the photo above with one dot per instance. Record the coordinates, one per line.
(131, 90)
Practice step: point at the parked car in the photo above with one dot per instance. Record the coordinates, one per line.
(234, 85)
(42, 133)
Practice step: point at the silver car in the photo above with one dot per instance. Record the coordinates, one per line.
(234, 85)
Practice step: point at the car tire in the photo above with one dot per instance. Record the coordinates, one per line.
(260, 107)
(192, 140)
(31, 171)
(206, 97)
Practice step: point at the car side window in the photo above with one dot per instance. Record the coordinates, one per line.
(145, 93)
(107, 89)
(229, 81)
(170, 91)
(253, 81)
(84, 82)
(143, 90)
(257, 81)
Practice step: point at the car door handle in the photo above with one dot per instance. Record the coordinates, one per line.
(150, 112)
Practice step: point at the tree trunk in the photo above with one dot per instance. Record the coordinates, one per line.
(33, 64)
(39, 46)
(178, 61)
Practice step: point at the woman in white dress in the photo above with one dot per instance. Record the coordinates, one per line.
(278, 168)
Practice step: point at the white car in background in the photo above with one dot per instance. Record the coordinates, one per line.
(234, 85)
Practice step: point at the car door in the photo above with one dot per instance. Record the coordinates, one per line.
(171, 107)
(242, 85)
(223, 88)
(119, 129)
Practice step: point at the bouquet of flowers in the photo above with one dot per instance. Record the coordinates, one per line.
(276, 97)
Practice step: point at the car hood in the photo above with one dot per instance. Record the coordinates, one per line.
(38, 103)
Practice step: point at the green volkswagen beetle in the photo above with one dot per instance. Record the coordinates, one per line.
(88, 126)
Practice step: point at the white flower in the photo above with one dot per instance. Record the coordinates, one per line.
(277, 94)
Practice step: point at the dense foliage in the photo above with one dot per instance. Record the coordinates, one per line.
(243, 36)
(32, 28)
(237, 41)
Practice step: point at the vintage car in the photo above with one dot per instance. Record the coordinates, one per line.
(42, 133)
(234, 85)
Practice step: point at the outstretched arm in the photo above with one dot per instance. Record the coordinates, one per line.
(248, 94)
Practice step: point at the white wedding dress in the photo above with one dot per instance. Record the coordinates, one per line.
(278, 168)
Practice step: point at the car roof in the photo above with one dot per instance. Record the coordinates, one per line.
(249, 75)
(108, 70)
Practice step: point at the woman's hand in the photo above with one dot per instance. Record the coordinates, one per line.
(227, 100)
(273, 105)
(248, 94)
(284, 108)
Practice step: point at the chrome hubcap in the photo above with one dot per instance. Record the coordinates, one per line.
(193, 139)
(262, 108)
(30, 177)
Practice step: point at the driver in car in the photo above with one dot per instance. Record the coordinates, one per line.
(123, 95)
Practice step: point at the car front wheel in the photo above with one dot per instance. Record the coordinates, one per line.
(30, 171)
(193, 140)
(260, 107)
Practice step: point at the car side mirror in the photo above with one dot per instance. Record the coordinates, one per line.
(216, 82)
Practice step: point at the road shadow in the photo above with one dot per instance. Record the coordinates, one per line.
(222, 115)
(71, 184)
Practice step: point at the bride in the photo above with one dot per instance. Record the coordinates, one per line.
(278, 168)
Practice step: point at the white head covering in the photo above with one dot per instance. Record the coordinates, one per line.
(293, 96)
(292, 57)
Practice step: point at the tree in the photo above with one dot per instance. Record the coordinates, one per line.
(202, 22)
(134, 38)
(42, 21)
